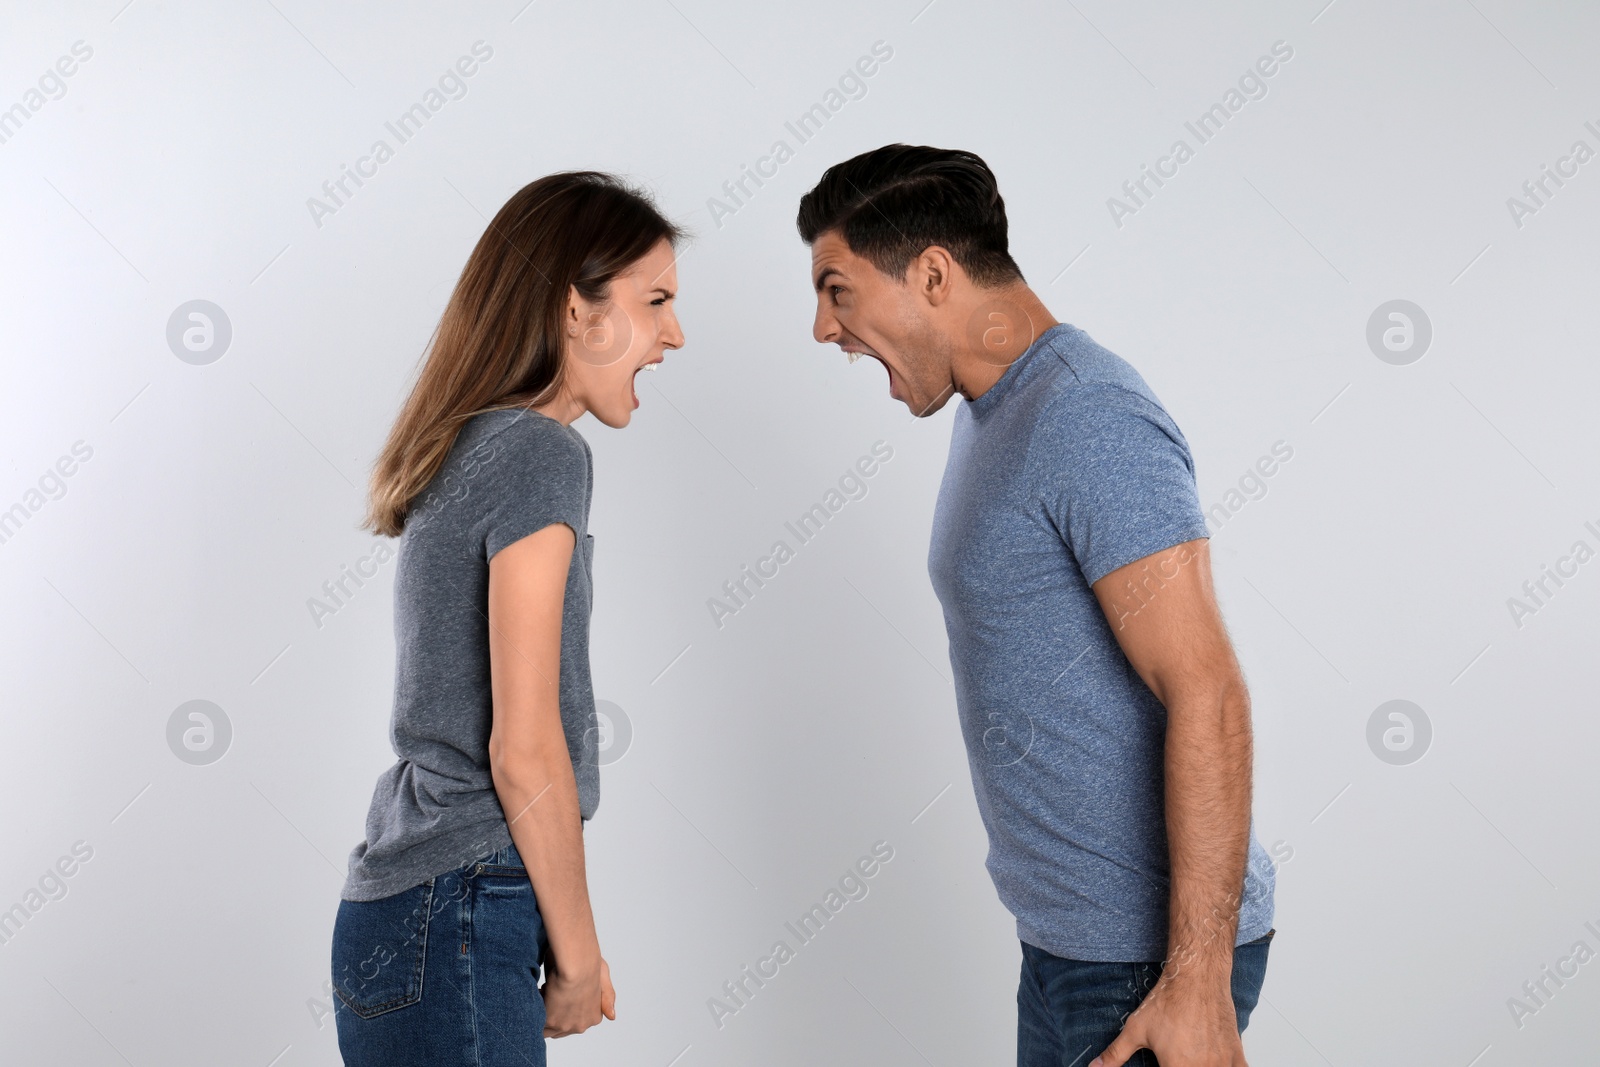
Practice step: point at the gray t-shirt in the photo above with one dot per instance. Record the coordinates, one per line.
(509, 473)
(1063, 471)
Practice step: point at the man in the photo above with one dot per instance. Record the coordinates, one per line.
(1106, 719)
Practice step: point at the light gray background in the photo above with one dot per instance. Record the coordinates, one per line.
(769, 754)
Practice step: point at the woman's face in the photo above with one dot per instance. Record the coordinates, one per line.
(607, 345)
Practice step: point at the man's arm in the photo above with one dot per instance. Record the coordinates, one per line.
(1164, 613)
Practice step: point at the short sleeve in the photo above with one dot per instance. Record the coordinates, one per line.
(1116, 477)
(539, 475)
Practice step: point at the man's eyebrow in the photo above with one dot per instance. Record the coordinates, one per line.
(823, 277)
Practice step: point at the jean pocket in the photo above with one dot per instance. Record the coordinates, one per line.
(379, 947)
(1265, 938)
(501, 864)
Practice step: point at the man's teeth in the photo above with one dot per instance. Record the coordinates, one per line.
(853, 356)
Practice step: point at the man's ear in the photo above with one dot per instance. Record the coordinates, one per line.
(933, 272)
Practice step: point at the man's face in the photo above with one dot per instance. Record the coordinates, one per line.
(864, 311)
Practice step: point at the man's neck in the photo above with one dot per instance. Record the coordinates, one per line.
(1001, 324)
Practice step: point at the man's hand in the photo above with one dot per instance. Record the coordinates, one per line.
(575, 1001)
(1187, 1021)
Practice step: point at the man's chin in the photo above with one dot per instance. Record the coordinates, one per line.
(923, 408)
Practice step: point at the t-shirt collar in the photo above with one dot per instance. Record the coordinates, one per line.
(987, 402)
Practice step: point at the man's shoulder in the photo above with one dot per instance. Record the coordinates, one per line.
(1094, 401)
(1080, 367)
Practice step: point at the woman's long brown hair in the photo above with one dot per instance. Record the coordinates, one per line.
(500, 340)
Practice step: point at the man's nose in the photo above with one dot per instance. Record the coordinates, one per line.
(826, 328)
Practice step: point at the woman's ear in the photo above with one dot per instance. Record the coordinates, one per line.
(574, 312)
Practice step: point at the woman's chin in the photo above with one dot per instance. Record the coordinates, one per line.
(616, 418)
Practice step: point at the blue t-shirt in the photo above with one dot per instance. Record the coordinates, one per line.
(1063, 471)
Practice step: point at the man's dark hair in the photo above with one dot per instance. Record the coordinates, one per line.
(891, 203)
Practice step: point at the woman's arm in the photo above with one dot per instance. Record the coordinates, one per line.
(532, 768)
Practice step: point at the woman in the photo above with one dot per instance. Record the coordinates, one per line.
(472, 873)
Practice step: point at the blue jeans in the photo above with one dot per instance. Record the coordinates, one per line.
(1068, 1011)
(443, 973)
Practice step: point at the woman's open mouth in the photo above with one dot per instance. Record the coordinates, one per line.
(633, 382)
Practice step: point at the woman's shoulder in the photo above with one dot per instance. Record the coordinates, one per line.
(520, 440)
(525, 430)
